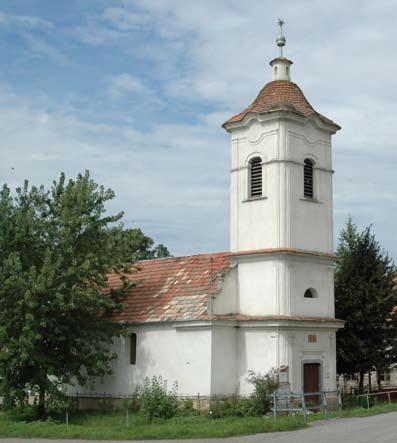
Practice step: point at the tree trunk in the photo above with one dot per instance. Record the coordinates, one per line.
(361, 382)
(369, 381)
(41, 405)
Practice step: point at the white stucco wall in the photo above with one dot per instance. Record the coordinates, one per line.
(224, 360)
(227, 301)
(282, 217)
(257, 351)
(214, 358)
(263, 349)
(177, 354)
(323, 352)
(275, 284)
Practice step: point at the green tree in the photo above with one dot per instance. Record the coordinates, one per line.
(57, 248)
(364, 298)
(143, 246)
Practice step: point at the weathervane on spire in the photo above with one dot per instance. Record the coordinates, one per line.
(280, 40)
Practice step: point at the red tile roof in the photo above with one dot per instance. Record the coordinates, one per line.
(280, 95)
(173, 288)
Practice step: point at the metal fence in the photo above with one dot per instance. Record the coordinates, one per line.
(104, 401)
(306, 402)
(386, 396)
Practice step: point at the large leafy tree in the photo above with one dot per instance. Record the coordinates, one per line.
(57, 248)
(365, 298)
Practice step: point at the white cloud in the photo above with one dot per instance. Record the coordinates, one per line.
(39, 47)
(123, 84)
(124, 20)
(94, 33)
(163, 178)
(214, 54)
(23, 20)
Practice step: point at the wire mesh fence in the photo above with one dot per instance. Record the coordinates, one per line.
(200, 403)
(306, 402)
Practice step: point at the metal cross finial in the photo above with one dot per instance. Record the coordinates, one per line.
(281, 23)
(280, 40)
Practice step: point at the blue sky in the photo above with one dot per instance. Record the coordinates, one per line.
(136, 91)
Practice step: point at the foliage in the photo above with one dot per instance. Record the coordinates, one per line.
(133, 405)
(157, 401)
(365, 298)
(57, 248)
(245, 407)
(367, 403)
(187, 407)
(143, 246)
(264, 386)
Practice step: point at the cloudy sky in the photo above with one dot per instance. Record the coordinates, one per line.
(136, 91)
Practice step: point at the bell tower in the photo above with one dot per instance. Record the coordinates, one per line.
(281, 176)
(282, 225)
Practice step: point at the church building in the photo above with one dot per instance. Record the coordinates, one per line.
(205, 320)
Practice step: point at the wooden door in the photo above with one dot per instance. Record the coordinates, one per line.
(311, 381)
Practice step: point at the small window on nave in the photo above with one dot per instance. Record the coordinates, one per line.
(133, 349)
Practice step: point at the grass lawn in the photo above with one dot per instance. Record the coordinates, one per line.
(112, 425)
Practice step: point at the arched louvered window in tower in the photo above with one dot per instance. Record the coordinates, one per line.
(308, 178)
(255, 177)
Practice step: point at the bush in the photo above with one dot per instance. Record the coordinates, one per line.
(220, 409)
(365, 403)
(244, 407)
(264, 386)
(187, 407)
(157, 401)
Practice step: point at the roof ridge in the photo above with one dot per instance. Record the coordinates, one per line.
(184, 256)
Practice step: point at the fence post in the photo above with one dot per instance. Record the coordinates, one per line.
(367, 401)
(304, 407)
(274, 406)
(127, 418)
(198, 403)
(325, 405)
(67, 419)
(339, 402)
(388, 396)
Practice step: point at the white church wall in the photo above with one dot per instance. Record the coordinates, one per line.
(226, 302)
(310, 220)
(311, 273)
(322, 351)
(275, 284)
(252, 227)
(258, 287)
(282, 217)
(257, 351)
(263, 350)
(177, 354)
(224, 358)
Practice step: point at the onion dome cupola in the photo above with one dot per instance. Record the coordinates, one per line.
(281, 94)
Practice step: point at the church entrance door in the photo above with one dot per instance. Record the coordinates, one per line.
(311, 383)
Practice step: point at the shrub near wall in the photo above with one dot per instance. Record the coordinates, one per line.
(258, 403)
(157, 401)
(264, 386)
